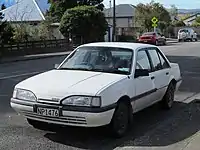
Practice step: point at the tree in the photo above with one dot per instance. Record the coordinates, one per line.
(6, 30)
(3, 7)
(85, 22)
(58, 7)
(179, 23)
(45, 30)
(196, 22)
(144, 14)
(173, 12)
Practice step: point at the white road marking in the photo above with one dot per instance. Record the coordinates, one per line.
(19, 75)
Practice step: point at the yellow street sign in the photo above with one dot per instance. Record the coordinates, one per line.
(154, 25)
(154, 20)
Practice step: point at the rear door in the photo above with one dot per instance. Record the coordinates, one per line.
(160, 71)
(144, 86)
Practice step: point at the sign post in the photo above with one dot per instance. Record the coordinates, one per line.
(154, 21)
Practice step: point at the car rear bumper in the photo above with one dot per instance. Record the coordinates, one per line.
(178, 83)
(68, 117)
(147, 41)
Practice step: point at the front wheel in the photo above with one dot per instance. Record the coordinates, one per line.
(168, 98)
(121, 119)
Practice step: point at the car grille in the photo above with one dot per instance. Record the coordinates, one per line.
(53, 101)
(62, 119)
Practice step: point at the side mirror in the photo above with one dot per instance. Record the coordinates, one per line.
(56, 66)
(141, 73)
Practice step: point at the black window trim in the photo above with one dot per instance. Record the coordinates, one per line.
(160, 54)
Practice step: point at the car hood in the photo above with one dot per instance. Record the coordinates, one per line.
(62, 83)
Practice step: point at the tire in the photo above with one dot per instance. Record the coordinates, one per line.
(164, 43)
(196, 40)
(156, 42)
(121, 120)
(168, 99)
(179, 40)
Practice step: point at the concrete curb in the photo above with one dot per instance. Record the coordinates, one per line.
(32, 57)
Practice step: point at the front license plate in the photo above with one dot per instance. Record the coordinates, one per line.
(48, 112)
(145, 41)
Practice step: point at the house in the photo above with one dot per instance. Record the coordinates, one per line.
(24, 11)
(30, 13)
(124, 18)
(191, 19)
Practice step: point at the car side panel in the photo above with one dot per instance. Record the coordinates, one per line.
(111, 94)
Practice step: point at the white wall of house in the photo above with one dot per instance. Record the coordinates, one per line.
(122, 22)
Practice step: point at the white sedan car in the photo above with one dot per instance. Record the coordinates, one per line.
(99, 84)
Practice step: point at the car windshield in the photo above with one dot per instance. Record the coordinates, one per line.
(100, 59)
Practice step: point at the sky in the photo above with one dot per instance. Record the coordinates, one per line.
(181, 4)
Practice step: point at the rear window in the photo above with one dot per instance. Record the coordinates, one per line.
(183, 31)
(149, 33)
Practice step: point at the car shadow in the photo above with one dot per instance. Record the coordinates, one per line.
(152, 127)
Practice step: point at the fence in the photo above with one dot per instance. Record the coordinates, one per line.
(35, 47)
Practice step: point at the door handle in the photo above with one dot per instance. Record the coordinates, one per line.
(152, 78)
(167, 73)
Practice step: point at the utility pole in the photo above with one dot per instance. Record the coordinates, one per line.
(114, 22)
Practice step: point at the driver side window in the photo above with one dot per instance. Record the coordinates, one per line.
(142, 61)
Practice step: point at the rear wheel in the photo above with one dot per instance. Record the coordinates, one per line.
(168, 98)
(165, 42)
(121, 120)
(156, 42)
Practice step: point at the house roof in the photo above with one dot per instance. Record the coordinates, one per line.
(23, 10)
(122, 10)
(192, 17)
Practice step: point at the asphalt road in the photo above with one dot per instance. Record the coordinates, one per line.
(153, 128)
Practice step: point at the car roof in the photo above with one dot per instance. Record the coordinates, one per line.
(127, 45)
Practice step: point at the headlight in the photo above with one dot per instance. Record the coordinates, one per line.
(88, 101)
(24, 95)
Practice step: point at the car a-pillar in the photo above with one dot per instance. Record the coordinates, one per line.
(122, 118)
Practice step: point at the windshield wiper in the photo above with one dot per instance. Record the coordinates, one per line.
(111, 71)
(84, 69)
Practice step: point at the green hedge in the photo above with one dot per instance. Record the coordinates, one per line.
(125, 38)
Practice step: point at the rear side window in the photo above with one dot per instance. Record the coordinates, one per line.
(156, 65)
(163, 62)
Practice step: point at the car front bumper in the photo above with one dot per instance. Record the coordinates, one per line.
(71, 117)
